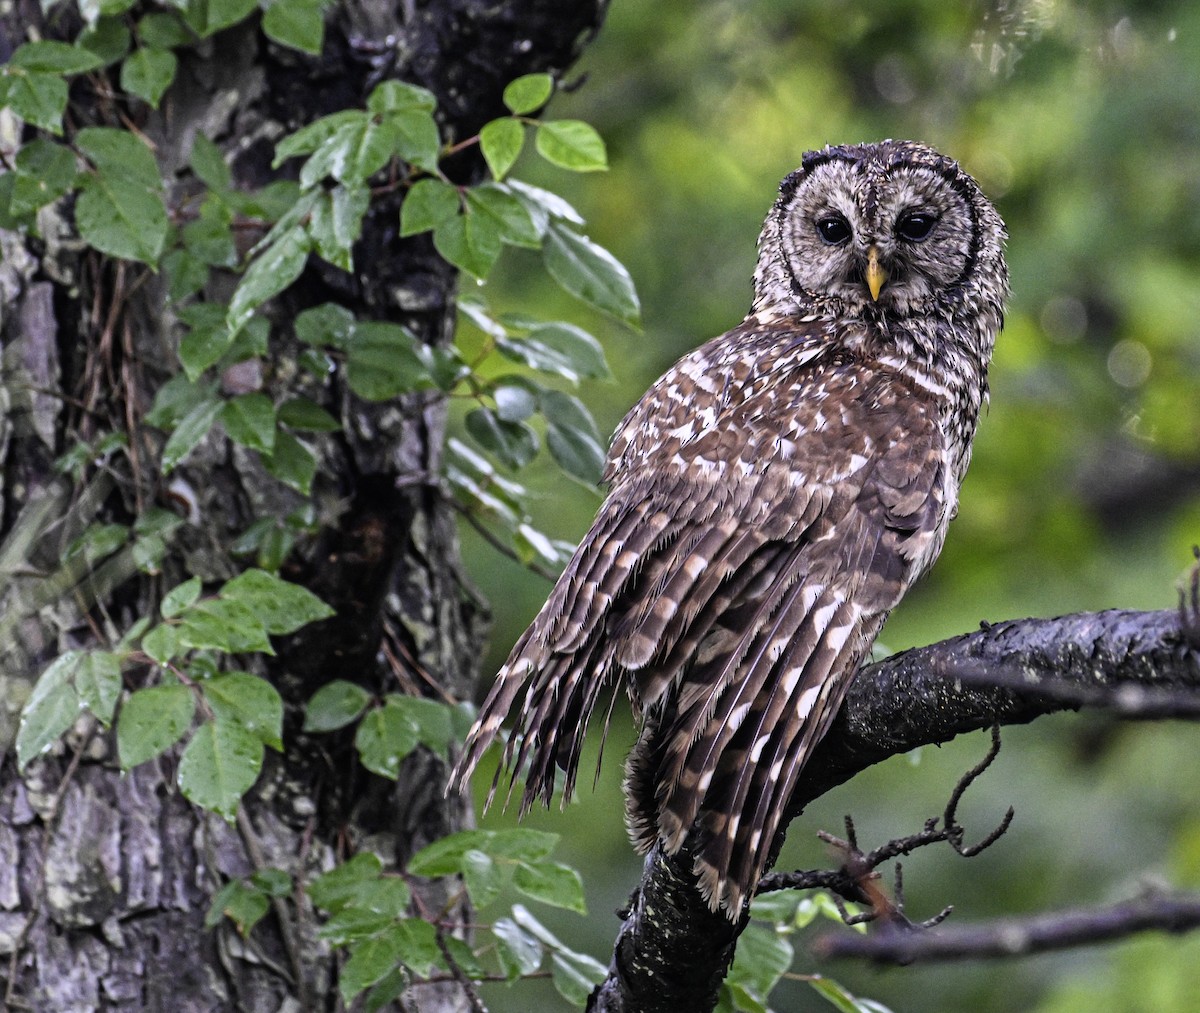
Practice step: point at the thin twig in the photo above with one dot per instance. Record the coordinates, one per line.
(858, 881)
(286, 928)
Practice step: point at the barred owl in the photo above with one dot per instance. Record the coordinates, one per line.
(771, 498)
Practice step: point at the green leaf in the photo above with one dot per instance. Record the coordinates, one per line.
(275, 882)
(250, 342)
(576, 976)
(203, 347)
(292, 462)
(209, 164)
(399, 96)
(514, 402)
(385, 360)
(180, 597)
(53, 57)
(528, 93)
(445, 857)
(369, 961)
(209, 16)
(282, 607)
(97, 542)
(108, 38)
(385, 736)
(512, 222)
(551, 883)
(296, 23)
(148, 554)
(501, 142)
(482, 876)
(520, 953)
(308, 416)
(210, 236)
(464, 957)
(241, 903)
(353, 924)
(348, 883)
(223, 625)
(838, 997)
(358, 148)
(309, 138)
(334, 706)
(274, 269)
(98, 683)
(250, 701)
(531, 543)
(589, 272)
(152, 721)
(219, 765)
(336, 223)
(186, 274)
(432, 718)
(415, 137)
(513, 443)
(120, 154)
(108, 7)
(39, 99)
(571, 144)
(470, 242)
(579, 350)
(572, 437)
(560, 349)
(543, 205)
(429, 203)
(249, 419)
(192, 428)
(121, 217)
(148, 73)
(176, 398)
(763, 957)
(327, 324)
(45, 171)
(418, 944)
(161, 643)
(51, 709)
(164, 31)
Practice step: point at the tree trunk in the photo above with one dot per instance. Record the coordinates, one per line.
(105, 879)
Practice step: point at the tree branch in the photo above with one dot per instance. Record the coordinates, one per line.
(1014, 937)
(673, 953)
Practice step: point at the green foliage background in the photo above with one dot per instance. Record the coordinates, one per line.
(1082, 121)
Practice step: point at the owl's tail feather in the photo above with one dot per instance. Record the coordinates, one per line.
(555, 663)
(560, 694)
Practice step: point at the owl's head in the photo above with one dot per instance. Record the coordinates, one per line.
(888, 231)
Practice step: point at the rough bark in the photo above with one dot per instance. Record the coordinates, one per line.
(104, 879)
(673, 953)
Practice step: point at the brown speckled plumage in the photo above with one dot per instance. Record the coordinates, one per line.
(771, 498)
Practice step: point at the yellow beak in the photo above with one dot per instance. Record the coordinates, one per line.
(876, 275)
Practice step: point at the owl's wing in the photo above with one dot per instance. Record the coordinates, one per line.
(770, 503)
(852, 498)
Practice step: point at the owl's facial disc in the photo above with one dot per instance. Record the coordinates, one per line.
(875, 237)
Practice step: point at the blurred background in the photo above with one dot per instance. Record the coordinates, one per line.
(1082, 122)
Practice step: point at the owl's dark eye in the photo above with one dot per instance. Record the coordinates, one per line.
(916, 225)
(834, 229)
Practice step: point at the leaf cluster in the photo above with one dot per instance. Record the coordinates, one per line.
(189, 677)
